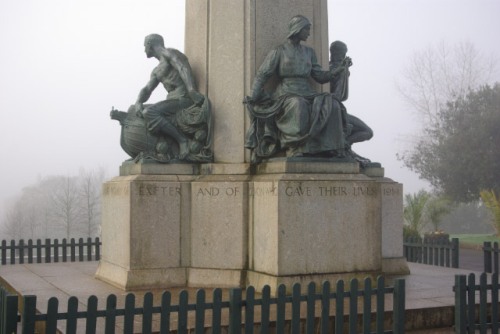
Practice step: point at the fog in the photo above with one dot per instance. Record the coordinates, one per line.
(64, 64)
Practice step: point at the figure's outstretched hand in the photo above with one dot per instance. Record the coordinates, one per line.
(197, 98)
(138, 109)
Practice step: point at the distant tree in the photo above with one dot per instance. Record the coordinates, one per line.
(491, 201)
(470, 217)
(442, 73)
(57, 207)
(437, 207)
(14, 222)
(65, 203)
(24, 219)
(90, 183)
(414, 213)
(458, 153)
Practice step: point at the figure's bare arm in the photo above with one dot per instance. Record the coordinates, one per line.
(146, 92)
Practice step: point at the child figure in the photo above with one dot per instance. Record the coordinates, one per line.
(355, 129)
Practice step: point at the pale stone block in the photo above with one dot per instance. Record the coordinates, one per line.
(141, 278)
(154, 168)
(316, 226)
(155, 228)
(219, 225)
(308, 167)
(141, 227)
(115, 229)
(374, 171)
(392, 219)
(395, 266)
(225, 169)
(216, 278)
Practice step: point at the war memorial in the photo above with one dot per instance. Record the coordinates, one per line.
(244, 179)
(246, 173)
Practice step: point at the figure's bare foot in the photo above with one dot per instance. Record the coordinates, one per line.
(183, 149)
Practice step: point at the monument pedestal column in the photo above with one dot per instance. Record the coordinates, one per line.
(145, 220)
(315, 221)
(219, 226)
(285, 222)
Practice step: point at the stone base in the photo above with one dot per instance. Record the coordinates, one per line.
(395, 266)
(216, 278)
(228, 225)
(136, 279)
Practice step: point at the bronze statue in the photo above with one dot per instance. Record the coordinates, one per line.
(356, 130)
(294, 119)
(176, 129)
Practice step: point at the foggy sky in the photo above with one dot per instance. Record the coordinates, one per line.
(64, 64)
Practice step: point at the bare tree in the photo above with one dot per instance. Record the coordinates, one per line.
(442, 73)
(14, 222)
(70, 202)
(90, 183)
(64, 199)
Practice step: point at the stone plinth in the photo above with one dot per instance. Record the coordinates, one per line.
(219, 230)
(312, 226)
(166, 229)
(143, 227)
(232, 225)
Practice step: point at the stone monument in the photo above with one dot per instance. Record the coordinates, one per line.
(248, 219)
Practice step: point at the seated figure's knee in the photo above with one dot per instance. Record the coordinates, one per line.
(369, 133)
(298, 103)
(146, 113)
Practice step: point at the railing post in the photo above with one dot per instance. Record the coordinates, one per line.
(89, 249)
(97, 249)
(38, 251)
(73, 250)
(21, 251)
(455, 253)
(30, 251)
(47, 251)
(487, 256)
(9, 315)
(235, 307)
(399, 306)
(29, 312)
(460, 304)
(64, 250)
(12, 252)
(4, 252)
(495, 257)
(56, 250)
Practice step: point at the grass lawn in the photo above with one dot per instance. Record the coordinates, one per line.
(474, 239)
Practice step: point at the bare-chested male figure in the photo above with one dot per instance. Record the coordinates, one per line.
(174, 72)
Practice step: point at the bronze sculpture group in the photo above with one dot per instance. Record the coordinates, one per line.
(293, 121)
(176, 129)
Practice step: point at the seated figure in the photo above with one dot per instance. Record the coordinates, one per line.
(294, 118)
(178, 128)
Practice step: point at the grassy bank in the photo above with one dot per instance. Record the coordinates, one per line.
(474, 240)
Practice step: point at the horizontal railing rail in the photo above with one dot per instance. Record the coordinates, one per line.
(50, 251)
